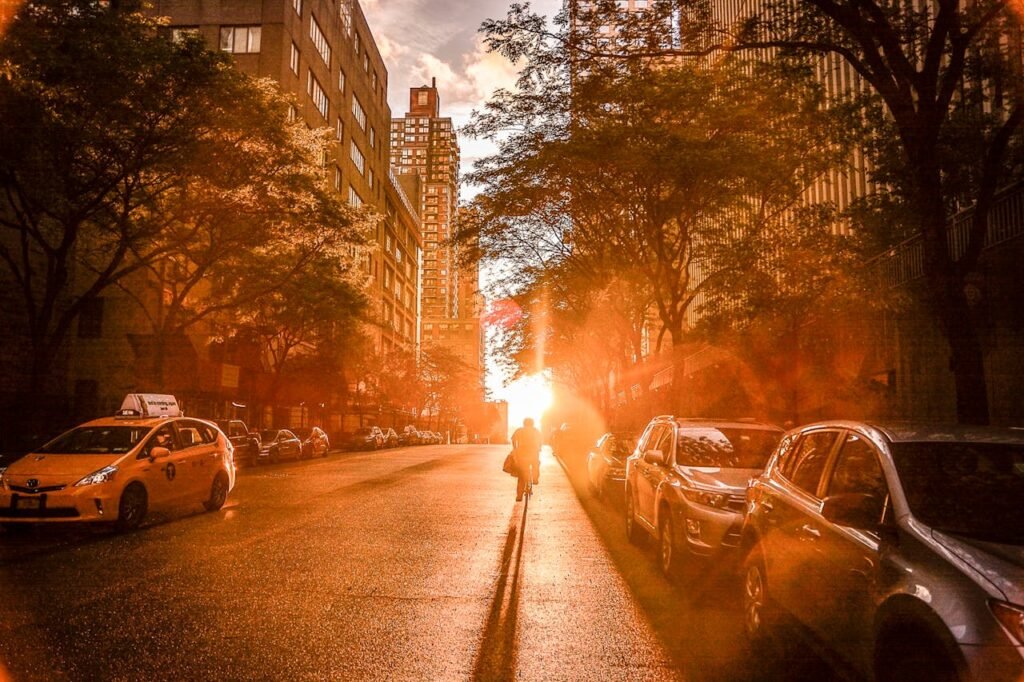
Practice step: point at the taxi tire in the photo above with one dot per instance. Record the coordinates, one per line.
(218, 493)
(131, 508)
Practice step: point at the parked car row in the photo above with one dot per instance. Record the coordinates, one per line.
(900, 548)
(273, 445)
(376, 438)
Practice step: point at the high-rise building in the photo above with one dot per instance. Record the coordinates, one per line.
(424, 145)
(323, 53)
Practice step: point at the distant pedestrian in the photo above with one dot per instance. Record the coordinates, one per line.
(526, 442)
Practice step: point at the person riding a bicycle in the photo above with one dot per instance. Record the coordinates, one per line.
(526, 442)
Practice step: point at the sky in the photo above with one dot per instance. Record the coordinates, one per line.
(421, 39)
(424, 39)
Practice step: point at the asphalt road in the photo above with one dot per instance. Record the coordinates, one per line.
(414, 563)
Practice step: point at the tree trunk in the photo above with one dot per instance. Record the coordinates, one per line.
(948, 301)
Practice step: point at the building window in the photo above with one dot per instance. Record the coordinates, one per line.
(90, 320)
(373, 81)
(373, 138)
(353, 197)
(341, 80)
(345, 12)
(319, 41)
(337, 178)
(293, 113)
(294, 60)
(339, 129)
(357, 111)
(297, 6)
(318, 95)
(357, 158)
(366, 62)
(369, 177)
(240, 39)
(421, 98)
(356, 44)
(181, 33)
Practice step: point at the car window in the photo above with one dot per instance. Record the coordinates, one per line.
(286, 434)
(662, 440)
(725, 448)
(808, 462)
(857, 471)
(645, 439)
(237, 429)
(98, 440)
(163, 437)
(207, 434)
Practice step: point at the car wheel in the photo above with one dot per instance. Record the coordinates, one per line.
(760, 617)
(218, 492)
(132, 508)
(911, 654)
(668, 554)
(633, 531)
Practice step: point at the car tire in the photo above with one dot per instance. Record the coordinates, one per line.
(633, 531)
(912, 654)
(218, 492)
(132, 508)
(669, 556)
(760, 614)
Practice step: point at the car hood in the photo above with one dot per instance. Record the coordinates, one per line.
(726, 480)
(1000, 564)
(57, 468)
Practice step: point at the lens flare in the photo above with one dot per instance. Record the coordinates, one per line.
(527, 397)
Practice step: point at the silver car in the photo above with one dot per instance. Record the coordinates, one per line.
(900, 547)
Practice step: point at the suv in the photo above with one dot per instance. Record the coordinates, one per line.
(245, 442)
(902, 548)
(686, 485)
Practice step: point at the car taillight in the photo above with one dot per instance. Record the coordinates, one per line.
(1011, 617)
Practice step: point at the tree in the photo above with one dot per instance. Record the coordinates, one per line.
(639, 167)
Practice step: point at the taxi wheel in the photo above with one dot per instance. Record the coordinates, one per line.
(132, 508)
(218, 493)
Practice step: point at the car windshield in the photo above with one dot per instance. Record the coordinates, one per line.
(267, 436)
(622, 445)
(725, 448)
(972, 489)
(96, 440)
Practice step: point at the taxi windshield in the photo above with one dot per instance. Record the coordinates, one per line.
(971, 489)
(725, 448)
(96, 440)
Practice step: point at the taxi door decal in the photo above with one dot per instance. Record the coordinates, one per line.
(170, 471)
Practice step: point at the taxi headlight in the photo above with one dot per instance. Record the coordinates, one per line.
(104, 475)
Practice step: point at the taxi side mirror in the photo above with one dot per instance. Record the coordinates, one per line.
(159, 453)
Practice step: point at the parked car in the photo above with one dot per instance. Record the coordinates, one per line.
(606, 463)
(279, 444)
(390, 438)
(686, 485)
(115, 470)
(364, 438)
(315, 442)
(901, 548)
(246, 443)
(437, 438)
(411, 436)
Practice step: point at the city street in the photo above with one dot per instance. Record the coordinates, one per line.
(404, 564)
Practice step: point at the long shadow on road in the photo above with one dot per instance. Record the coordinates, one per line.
(498, 651)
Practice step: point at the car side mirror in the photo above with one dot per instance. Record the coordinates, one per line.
(854, 510)
(654, 457)
(159, 452)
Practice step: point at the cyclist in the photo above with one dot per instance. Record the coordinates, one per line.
(526, 444)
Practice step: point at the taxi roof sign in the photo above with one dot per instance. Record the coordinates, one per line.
(149, 405)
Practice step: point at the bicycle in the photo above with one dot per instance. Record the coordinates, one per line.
(528, 491)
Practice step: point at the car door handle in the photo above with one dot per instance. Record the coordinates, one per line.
(809, 532)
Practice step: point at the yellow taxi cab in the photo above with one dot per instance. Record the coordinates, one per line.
(116, 469)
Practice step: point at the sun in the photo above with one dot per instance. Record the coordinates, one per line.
(527, 397)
